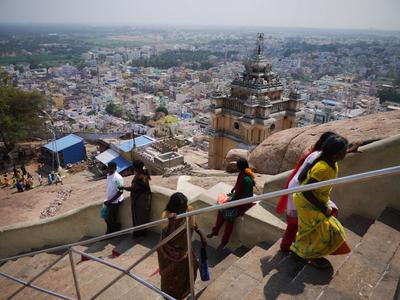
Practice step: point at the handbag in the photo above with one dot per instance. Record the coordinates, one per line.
(222, 198)
(203, 266)
(104, 211)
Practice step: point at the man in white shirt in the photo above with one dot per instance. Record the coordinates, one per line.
(114, 197)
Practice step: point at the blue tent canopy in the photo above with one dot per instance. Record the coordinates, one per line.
(63, 143)
(140, 141)
(110, 155)
(122, 163)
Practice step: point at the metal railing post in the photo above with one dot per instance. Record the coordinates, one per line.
(127, 273)
(71, 259)
(150, 252)
(190, 257)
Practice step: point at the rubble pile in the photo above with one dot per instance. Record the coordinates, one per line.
(54, 206)
(80, 166)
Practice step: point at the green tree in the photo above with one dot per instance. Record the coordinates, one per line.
(5, 78)
(389, 95)
(162, 109)
(114, 110)
(19, 115)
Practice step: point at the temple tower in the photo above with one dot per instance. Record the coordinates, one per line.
(254, 109)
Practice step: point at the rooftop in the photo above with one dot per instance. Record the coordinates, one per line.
(63, 143)
(140, 141)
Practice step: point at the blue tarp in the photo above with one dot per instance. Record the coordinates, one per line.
(64, 143)
(122, 163)
(110, 155)
(139, 142)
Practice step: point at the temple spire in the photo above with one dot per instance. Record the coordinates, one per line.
(260, 44)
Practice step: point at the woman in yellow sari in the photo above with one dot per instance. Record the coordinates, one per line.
(173, 257)
(319, 233)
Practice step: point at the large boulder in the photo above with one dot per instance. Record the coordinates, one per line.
(232, 156)
(280, 151)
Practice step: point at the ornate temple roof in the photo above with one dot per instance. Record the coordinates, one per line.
(258, 70)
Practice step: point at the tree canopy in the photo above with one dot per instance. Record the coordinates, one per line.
(19, 115)
(389, 95)
(162, 109)
(114, 110)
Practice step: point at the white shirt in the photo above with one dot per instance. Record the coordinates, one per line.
(113, 182)
(309, 160)
(291, 208)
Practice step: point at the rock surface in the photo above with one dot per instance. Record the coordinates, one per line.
(232, 156)
(280, 151)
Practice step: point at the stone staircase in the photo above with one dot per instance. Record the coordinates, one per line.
(370, 271)
(92, 276)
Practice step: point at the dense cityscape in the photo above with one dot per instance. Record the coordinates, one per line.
(113, 79)
(203, 150)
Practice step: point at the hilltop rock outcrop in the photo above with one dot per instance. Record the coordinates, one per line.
(280, 151)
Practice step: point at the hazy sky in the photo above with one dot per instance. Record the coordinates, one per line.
(364, 14)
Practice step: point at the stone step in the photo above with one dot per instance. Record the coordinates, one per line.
(216, 271)
(367, 265)
(279, 274)
(94, 275)
(387, 284)
(26, 268)
(55, 279)
(59, 278)
(309, 282)
(245, 274)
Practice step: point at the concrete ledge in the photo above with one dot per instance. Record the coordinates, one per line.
(365, 198)
(255, 226)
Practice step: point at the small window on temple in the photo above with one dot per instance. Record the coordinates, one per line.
(236, 125)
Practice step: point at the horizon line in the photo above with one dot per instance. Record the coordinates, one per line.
(191, 26)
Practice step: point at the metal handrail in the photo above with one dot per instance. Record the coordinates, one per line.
(332, 182)
(302, 188)
(150, 252)
(128, 273)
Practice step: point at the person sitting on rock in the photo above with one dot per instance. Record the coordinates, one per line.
(319, 232)
(243, 189)
(58, 179)
(19, 186)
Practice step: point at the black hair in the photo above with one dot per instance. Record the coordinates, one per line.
(242, 164)
(334, 145)
(112, 164)
(139, 165)
(322, 139)
(177, 203)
